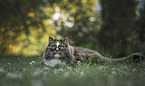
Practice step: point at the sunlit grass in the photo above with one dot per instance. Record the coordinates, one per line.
(28, 71)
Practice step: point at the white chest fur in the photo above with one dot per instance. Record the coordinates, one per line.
(54, 62)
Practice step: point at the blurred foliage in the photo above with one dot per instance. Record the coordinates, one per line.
(23, 24)
(117, 32)
(114, 30)
(26, 24)
(79, 21)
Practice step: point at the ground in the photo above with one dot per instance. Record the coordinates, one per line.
(28, 71)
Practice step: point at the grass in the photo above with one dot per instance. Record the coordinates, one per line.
(28, 71)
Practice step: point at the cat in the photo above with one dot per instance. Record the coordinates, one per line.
(60, 51)
(56, 51)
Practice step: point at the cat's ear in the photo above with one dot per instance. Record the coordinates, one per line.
(66, 40)
(50, 39)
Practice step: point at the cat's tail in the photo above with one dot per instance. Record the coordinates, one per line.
(135, 57)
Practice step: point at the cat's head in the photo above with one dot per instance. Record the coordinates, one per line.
(58, 48)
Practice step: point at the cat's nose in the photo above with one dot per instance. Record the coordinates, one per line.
(57, 49)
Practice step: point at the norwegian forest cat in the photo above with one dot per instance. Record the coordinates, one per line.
(60, 51)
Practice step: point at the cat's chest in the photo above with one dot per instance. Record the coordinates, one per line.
(54, 62)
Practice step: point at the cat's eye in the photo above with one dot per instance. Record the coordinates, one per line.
(53, 46)
(61, 47)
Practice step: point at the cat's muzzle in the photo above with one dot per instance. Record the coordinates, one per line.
(56, 55)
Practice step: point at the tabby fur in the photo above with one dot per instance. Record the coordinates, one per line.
(70, 54)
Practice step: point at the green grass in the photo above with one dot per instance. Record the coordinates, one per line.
(18, 71)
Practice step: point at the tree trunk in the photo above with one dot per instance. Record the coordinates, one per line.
(117, 33)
